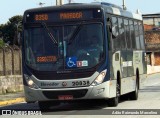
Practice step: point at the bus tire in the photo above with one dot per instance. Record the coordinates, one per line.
(45, 105)
(113, 102)
(134, 95)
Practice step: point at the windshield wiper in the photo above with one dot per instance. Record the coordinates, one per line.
(49, 33)
(76, 31)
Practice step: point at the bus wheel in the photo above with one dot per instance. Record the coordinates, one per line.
(113, 102)
(45, 105)
(134, 95)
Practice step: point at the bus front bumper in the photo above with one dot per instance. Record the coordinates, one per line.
(102, 91)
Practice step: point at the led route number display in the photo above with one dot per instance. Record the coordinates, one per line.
(41, 17)
(71, 15)
(44, 59)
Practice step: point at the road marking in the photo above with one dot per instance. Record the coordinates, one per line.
(9, 102)
(155, 84)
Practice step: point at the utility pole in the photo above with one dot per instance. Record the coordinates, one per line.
(59, 2)
(70, 1)
(124, 5)
(41, 4)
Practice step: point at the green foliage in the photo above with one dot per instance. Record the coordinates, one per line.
(10, 29)
(1, 43)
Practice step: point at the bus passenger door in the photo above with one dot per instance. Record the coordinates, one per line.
(124, 63)
(124, 69)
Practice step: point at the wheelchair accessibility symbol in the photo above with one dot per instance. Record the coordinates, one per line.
(71, 62)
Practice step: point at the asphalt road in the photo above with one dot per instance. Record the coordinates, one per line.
(149, 98)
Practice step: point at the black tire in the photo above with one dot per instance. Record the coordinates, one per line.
(134, 95)
(114, 101)
(45, 105)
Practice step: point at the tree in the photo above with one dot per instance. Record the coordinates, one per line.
(11, 28)
(4, 32)
(1, 43)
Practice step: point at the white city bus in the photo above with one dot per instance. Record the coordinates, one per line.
(82, 51)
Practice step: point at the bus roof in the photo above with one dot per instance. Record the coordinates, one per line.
(108, 8)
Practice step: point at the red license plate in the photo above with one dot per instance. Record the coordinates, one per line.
(65, 97)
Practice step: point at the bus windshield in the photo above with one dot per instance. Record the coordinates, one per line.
(78, 46)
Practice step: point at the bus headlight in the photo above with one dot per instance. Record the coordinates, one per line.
(30, 82)
(99, 78)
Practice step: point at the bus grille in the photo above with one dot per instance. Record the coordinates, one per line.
(55, 76)
(74, 93)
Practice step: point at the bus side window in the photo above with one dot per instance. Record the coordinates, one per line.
(121, 37)
(132, 36)
(141, 36)
(137, 35)
(115, 33)
(127, 33)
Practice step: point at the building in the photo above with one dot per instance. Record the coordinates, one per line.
(152, 37)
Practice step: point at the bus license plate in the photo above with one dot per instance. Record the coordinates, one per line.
(65, 97)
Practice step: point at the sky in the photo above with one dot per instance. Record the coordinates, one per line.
(9, 8)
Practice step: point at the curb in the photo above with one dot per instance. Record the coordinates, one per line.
(13, 101)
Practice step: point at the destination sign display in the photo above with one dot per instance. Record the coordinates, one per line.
(63, 16)
(71, 15)
(43, 59)
(41, 17)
